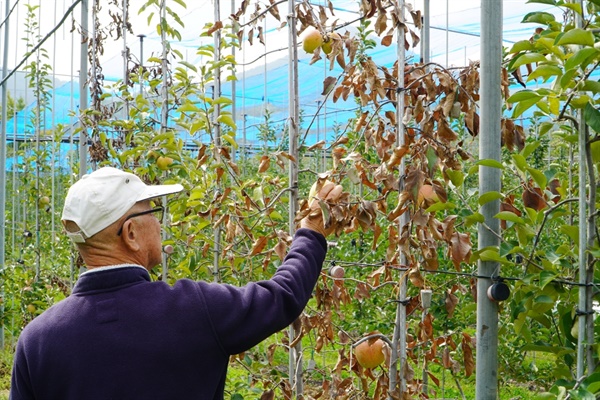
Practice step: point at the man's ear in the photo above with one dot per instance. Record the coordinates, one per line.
(130, 235)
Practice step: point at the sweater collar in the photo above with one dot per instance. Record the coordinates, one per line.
(103, 279)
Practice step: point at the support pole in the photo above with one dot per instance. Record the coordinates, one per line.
(141, 69)
(83, 86)
(399, 338)
(3, 165)
(125, 56)
(217, 129)
(164, 115)
(486, 387)
(425, 38)
(234, 32)
(295, 354)
(582, 301)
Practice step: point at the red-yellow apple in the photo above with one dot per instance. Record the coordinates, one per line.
(369, 353)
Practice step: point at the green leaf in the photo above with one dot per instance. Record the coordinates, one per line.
(590, 85)
(523, 95)
(538, 17)
(551, 2)
(538, 177)
(544, 71)
(523, 106)
(592, 117)
(546, 277)
(572, 232)
(492, 255)
(580, 57)
(489, 196)
(567, 79)
(524, 234)
(490, 163)
(227, 120)
(522, 45)
(456, 177)
(475, 218)
(544, 128)
(188, 107)
(580, 101)
(188, 65)
(231, 140)
(520, 162)
(592, 383)
(223, 100)
(573, 6)
(576, 36)
(509, 216)
(595, 150)
(581, 394)
(530, 148)
(439, 206)
(526, 58)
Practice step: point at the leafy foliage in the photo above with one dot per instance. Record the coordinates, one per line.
(232, 224)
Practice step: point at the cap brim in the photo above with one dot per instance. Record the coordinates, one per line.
(159, 190)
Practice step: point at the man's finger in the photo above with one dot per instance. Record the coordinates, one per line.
(325, 190)
(335, 193)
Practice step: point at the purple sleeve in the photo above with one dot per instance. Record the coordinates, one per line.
(244, 316)
(20, 386)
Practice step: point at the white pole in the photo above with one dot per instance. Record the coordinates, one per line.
(3, 163)
(125, 55)
(234, 32)
(295, 354)
(447, 27)
(83, 86)
(425, 39)
(217, 129)
(399, 338)
(486, 386)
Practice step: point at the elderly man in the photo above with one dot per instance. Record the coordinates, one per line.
(121, 336)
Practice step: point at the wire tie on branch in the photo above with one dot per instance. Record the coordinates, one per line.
(404, 302)
(578, 312)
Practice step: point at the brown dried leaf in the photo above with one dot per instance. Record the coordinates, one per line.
(445, 132)
(218, 25)
(273, 10)
(460, 248)
(469, 361)
(381, 23)
(534, 198)
(259, 245)
(328, 85)
(451, 302)
(265, 162)
(387, 40)
(281, 249)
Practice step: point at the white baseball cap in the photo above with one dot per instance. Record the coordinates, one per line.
(99, 199)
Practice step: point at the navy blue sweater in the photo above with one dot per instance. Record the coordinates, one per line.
(121, 336)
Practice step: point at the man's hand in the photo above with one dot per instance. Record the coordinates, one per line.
(329, 192)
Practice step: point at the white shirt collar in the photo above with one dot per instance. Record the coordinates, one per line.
(109, 267)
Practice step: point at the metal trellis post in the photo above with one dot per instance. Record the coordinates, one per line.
(3, 167)
(399, 338)
(83, 86)
(295, 354)
(489, 181)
